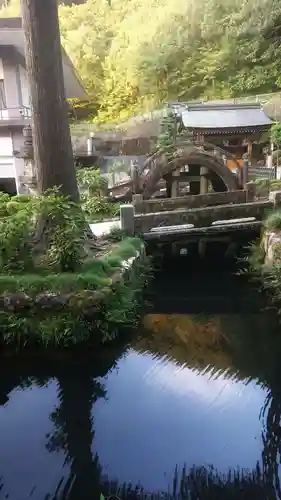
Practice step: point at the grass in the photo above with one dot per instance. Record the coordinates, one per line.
(81, 318)
(94, 274)
(273, 221)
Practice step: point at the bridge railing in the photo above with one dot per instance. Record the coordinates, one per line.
(197, 214)
(203, 217)
(192, 201)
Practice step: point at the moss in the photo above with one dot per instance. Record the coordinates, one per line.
(273, 221)
(93, 275)
(89, 306)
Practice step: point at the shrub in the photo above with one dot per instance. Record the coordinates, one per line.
(16, 232)
(273, 221)
(92, 179)
(65, 226)
(94, 304)
(44, 232)
(97, 208)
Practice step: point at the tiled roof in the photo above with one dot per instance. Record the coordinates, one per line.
(218, 116)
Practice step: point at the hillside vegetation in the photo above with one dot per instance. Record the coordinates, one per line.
(134, 55)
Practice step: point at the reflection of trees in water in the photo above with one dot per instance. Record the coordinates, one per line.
(185, 341)
(74, 434)
(240, 349)
(201, 483)
(238, 346)
(78, 390)
(256, 353)
(271, 437)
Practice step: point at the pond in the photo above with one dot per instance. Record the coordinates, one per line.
(195, 394)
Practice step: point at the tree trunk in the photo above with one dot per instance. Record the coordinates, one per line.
(51, 135)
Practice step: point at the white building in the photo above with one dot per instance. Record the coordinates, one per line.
(14, 99)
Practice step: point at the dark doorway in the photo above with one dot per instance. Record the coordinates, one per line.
(8, 186)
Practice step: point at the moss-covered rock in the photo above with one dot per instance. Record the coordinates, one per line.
(70, 308)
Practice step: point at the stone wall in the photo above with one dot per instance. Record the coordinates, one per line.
(271, 240)
(271, 243)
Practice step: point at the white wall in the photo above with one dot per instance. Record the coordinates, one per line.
(10, 82)
(24, 87)
(1, 70)
(18, 143)
(10, 167)
(7, 166)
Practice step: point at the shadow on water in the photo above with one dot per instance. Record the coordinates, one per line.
(190, 409)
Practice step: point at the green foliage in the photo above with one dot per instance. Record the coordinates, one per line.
(94, 203)
(63, 229)
(276, 134)
(16, 234)
(92, 180)
(97, 208)
(167, 137)
(268, 274)
(138, 54)
(81, 316)
(94, 274)
(51, 221)
(255, 259)
(273, 221)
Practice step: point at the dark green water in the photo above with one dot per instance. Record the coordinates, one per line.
(199, 385)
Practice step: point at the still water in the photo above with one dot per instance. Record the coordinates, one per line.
(199, 385)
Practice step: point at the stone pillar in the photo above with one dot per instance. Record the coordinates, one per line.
(250, 188)
(127, 215)
(275, 197)
(137, 198)
(28, 182)
(89, 146)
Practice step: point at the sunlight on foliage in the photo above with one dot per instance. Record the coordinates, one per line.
(135, 55)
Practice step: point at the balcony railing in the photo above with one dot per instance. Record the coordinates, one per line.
(18, 113)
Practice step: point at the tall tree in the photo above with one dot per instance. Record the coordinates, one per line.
(52, 142)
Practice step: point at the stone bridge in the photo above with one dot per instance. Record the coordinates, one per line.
(193, 218)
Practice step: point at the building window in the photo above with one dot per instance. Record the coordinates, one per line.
(3, 103)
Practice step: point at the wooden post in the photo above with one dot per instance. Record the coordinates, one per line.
(245, 171)
(250, 150)
(175, 183)
(203, 180)
(169, 185)
(135, 176)
(194, 186)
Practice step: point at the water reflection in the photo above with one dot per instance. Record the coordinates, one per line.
(189, 394)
